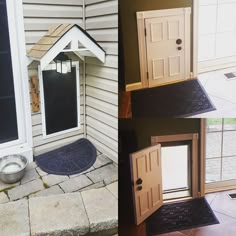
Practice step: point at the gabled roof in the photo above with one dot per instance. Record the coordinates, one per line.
(65, 38)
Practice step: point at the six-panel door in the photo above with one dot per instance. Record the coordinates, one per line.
(147, 182)
(165, 39)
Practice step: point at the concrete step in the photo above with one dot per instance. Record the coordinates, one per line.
(92, 212)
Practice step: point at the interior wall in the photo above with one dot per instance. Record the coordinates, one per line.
(102, 79)
(38, 16)
(130, 55)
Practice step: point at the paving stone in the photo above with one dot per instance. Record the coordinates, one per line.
(51, 180)
(14, 219)
(30, 174)
(54, 190)
(62, 214)
(86, 171)
(94, 186)
(108, 173)
(32, 165)
(113, 188)
(3, 198)
(7, 186)
(75, 184)
(41, 172)
(25, 189)
(102, 209)
(102, 160)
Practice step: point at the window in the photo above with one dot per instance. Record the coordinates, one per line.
(60, 100)
(220, 150)
(15, 122)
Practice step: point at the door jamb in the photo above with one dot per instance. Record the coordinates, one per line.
(193, 137)
(195, 37)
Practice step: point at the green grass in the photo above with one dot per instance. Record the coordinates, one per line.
(215, 121)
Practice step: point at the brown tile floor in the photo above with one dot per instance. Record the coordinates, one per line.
(224, 209)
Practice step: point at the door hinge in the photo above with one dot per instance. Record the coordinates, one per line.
(147, 75)
(145, 32)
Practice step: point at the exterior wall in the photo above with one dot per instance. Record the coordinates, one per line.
(102, 80)
(38, 15)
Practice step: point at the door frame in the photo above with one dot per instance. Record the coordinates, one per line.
(141, 17)
(42, 102)
(193, 137)
(23, 145)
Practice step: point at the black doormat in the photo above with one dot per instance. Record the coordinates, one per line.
(176, 100)
(68, 160)
(181, 216)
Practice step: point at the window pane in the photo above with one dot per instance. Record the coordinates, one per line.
(174, 161)
(60, 98)
(8, 119)
(230, 124)
(213, 125)
(229, 168)
(213, 144)
(229, 143)
(213, 169)
(4, 38)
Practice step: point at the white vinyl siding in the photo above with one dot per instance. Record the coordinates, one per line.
(102, 79)
(38, 16)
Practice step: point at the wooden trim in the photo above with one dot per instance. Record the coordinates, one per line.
(185, 137)
(134, 86)
(195, 37)
(202, 157)
(172, 138)
(220, 186)
(142, 51)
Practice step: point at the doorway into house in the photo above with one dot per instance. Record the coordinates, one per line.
(176, 171)
(215, 55)
(220, 154)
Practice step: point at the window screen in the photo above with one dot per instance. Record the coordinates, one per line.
(60, 101)
(8, 120)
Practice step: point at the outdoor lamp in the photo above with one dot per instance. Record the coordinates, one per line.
(63, 63)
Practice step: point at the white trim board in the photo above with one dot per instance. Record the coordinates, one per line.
(21, 86)
(73, 36)
(53, 67)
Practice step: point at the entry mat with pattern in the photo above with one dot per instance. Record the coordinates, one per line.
(183, 99)
(70, 159)
(181, 216)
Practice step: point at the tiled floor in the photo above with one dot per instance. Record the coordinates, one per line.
(221, 91)
(224, 209)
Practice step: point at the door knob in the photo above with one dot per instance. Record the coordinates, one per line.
(139, 188)
(179, 48)
(179, 41)
(139, 181)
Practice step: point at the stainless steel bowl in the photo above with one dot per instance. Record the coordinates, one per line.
(12, 168)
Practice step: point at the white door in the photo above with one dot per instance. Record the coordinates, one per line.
(147, 182)
(167, 49)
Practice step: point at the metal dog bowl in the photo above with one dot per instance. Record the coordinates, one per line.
(12, 168)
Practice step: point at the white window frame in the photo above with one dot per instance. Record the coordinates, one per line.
(53, 67)
(23, 145)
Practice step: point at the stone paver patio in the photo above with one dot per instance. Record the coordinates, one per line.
(44, 204)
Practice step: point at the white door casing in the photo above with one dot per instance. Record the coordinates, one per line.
(146, 167)
(161, 62)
